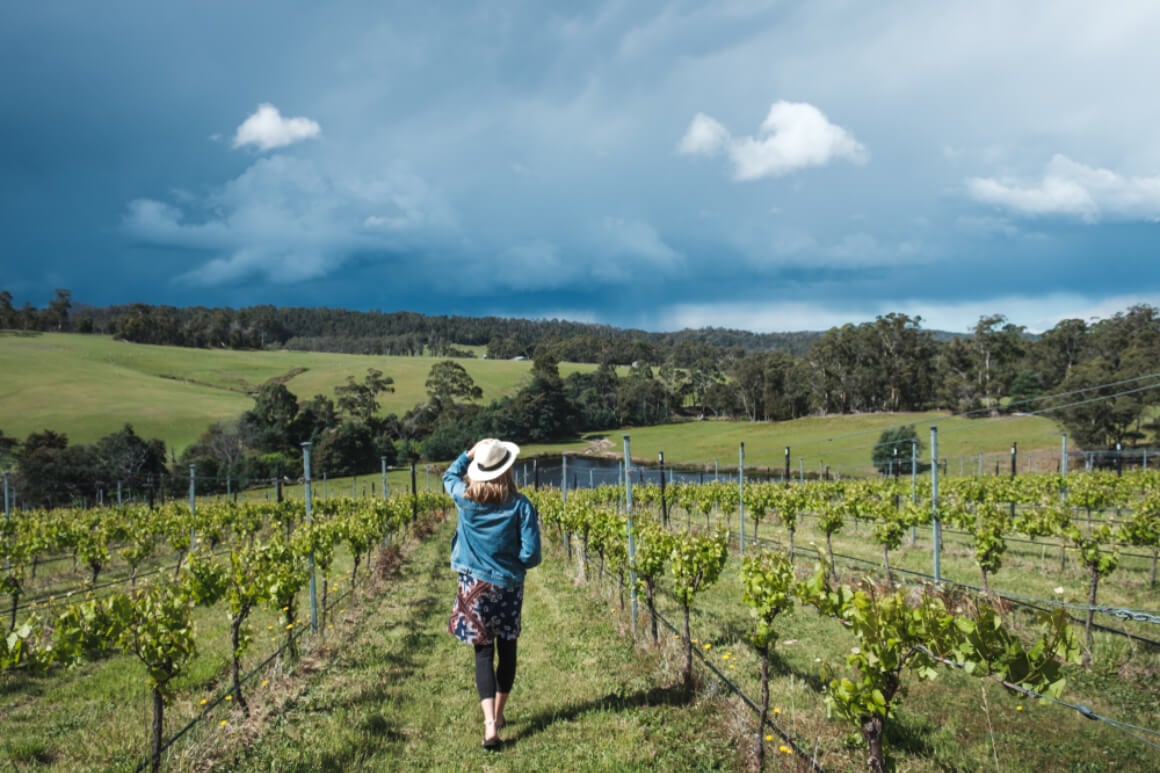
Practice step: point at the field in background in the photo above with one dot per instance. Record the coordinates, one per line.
(89, 386)
(842, 444)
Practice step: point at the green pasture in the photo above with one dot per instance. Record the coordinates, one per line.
(89, 386)
(843, 444)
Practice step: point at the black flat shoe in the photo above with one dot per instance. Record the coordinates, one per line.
(491, 743)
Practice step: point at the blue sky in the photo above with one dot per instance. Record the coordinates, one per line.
(768, 166)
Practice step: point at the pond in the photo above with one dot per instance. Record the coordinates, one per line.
(593, 471)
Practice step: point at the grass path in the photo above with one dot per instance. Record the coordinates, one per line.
(399, 694)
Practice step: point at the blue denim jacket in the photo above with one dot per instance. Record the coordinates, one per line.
(493, 543)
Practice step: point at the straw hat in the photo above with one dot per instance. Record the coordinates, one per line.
(492, 459)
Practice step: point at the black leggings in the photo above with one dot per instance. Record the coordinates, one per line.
(490, 678)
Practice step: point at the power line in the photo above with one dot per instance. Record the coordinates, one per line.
(1068, 394)
(1023, 414)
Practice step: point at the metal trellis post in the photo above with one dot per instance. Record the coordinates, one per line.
(310, 525)
(1014, 453)
(628, 526)
(936, 530)
(913, 484)
(7, 517)
(664, 504)
(192, 502)
(414, 496)
(741, 495)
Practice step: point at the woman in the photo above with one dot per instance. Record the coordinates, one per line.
(496, 542)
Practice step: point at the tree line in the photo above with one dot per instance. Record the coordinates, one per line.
(1093, 376)
(398, 333)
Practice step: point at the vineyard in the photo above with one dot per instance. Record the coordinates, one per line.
(196, 603)
(823, 608)
(1038, 585)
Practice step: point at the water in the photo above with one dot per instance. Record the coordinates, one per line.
(593, 471)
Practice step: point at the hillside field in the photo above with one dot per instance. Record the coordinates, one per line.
(88, 386)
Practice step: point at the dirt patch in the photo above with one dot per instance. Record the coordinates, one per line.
(287, 376)
(599, 446)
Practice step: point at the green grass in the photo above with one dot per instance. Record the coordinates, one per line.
(399, 693)
(842, 444)
(89, 386)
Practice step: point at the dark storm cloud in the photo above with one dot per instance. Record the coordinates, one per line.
(754, 164)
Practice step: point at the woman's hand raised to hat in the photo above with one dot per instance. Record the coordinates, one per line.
(474, 448)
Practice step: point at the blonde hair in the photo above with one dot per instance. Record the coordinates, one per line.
(492, 492)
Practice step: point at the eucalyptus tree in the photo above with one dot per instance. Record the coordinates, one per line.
(359, 400)
(1058, 350)
(998, 346)
(448, 380)
(905, 360)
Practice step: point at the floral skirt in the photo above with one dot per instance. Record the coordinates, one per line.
(484, 612)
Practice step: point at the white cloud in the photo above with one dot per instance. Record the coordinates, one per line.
(705, 136)
(267, 129)
(1070, 188)
(793, 136)
(289, 219)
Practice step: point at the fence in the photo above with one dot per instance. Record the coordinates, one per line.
(586, 471)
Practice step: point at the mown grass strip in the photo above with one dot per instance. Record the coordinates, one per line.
(399, 694)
